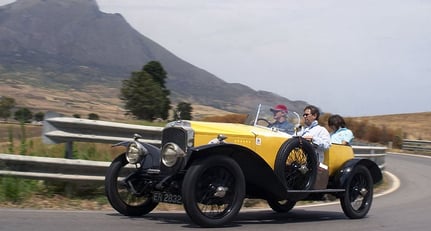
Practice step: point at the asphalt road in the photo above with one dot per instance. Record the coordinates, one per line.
(406, 208)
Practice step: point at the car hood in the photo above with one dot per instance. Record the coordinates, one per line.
(207, 131)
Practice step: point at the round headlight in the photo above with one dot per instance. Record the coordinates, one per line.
(135, 153)
(170, 154)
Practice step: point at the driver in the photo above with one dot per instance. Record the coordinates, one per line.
(281, 123)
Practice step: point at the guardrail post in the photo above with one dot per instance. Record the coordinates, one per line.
(68, 150)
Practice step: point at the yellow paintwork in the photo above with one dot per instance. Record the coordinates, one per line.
(263, 141)
(336, 156)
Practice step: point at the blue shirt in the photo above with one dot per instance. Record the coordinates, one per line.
(342, 134)
(283, 126)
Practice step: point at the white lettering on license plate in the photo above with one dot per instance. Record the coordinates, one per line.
(167, 198)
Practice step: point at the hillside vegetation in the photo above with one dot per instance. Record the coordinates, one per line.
(411, 126)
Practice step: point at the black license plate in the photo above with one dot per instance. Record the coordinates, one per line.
(167, 198)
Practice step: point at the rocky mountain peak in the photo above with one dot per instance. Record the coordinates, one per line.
(72, 43)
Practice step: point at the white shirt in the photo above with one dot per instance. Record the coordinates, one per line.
(321, 138)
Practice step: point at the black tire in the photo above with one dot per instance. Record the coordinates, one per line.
(282, 206)
(357, 200)
(296, 164)
(203, 181)
(119, 196)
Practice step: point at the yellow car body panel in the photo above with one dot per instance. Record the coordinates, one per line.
(264, 141)
(336, 156)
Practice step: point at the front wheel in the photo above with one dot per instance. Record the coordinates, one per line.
(213, 191)
(119, 192)
(356, 201)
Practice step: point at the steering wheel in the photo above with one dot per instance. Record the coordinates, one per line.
(263, 122)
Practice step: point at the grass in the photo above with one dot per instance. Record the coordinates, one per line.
(15, 189)
(24, 193)
(414, 125)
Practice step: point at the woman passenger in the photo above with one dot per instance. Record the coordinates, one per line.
(340, 134)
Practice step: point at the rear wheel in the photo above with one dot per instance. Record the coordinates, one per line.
(213, 191)
(357, 200)
(119, 192)
(282, 206)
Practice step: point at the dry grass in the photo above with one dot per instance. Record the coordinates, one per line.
(105, 102)
(14, 129)
(414, 125)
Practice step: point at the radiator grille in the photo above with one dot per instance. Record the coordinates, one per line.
(176, 135)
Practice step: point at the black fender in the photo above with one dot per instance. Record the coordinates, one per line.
(342, 175)
(261, 180)
(152, 160)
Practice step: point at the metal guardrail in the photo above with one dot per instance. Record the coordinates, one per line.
(52, 168)
(376, 154)
(417, 145)
(58, 129)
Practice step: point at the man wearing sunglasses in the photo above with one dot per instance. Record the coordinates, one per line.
(315, 133)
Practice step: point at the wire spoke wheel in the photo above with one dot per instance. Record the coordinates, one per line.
(213, 191)
(356, 202)
(296, 164)
(298, 169)
(122, 194)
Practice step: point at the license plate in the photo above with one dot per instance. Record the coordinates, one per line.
(167, 198)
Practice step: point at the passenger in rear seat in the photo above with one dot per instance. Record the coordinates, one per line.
(340, 133)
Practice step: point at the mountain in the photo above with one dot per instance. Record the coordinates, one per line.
(73, 45)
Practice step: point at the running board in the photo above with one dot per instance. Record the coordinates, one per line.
(315, 191)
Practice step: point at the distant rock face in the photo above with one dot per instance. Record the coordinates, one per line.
(73, 39)
(70, 31)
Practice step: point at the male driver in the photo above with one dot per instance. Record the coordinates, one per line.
(281, 123)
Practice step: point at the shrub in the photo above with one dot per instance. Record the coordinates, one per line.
(16, 189)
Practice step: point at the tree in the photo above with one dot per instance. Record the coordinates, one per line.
(6, 105)
(155, 69)
(23, 115)
(93, 116)
(159, 75)
(184, 110)
(145, 95)
(39, 116)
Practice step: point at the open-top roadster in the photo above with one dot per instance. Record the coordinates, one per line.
(211, 168)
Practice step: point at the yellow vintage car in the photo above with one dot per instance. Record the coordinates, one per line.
(210, 168)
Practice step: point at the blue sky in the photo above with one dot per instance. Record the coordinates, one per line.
(354, 58)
